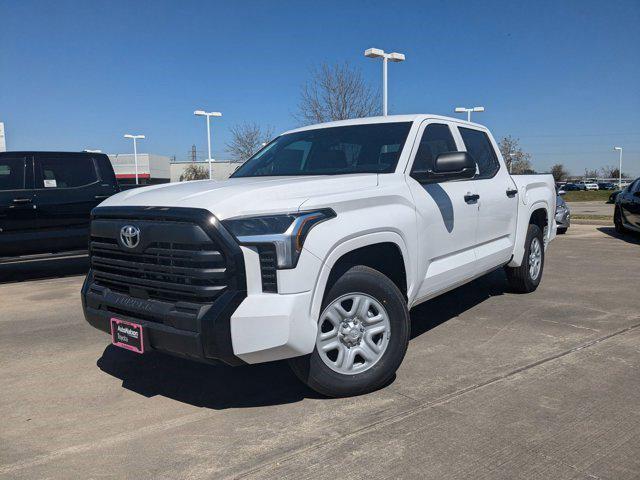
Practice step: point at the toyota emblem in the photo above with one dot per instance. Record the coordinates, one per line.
(130, 236)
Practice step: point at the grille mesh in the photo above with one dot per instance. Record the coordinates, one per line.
(268, 268)
(193, 272)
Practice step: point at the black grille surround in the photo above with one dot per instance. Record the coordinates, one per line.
(181, 282)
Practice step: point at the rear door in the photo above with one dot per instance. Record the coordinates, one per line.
(68, 186)
(446, 216)
(498, 202)
(17, 210)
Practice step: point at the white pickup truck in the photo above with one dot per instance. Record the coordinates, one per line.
(316, 248)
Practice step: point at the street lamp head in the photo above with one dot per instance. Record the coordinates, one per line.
(128, 135)
(202, 113)
(374, 53)
(478, 109)
(396, 57)
(460, 110)
(617, 148)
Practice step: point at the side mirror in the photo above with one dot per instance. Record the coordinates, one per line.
(448, 166)
(561, 192)
(636, 194)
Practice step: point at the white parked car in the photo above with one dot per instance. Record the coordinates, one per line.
(590, 185)
(316, 248)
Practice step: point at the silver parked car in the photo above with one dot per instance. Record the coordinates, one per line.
(563, 215)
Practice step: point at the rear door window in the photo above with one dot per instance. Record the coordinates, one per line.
(65, 172)
(12, 171)
(479, 147)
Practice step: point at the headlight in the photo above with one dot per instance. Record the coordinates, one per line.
(286, 232)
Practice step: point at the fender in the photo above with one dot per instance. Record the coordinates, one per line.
(345, 246)
(524, 215)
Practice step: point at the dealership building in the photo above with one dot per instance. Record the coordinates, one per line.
(152, 168)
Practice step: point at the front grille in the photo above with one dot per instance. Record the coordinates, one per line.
(188, 270)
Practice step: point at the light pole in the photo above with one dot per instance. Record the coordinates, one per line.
(202, 113)
(135, 150)
(620, 168)
(393, 57)
(469, 110)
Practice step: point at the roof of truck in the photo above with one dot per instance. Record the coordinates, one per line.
(386, 119)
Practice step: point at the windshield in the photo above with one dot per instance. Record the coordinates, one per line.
(373, 148)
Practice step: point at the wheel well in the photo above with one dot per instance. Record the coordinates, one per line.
(539, 218)
(383, 257)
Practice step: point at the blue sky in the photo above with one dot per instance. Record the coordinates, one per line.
(563, 76)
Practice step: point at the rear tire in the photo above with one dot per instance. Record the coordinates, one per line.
(526, 277)
(561, 231)
(363, 332)
(617, 221)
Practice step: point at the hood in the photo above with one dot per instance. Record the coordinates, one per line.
(243, 196)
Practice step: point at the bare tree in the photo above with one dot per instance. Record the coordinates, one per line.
(193, 171)
(518, 161)
(611, 171)
(336, 92)
(590, 173)
(559, 172)
(246, 139)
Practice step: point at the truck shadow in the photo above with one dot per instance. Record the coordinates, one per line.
(43, 269)
(220, 387)
(630, 237)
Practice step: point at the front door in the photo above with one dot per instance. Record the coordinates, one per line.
(17, 210)
(447, 216)
(498, 202)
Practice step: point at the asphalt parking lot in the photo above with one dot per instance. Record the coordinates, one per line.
(592, 208)
(494, 385)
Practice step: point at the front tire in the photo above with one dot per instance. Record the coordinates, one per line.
(363, 334)
(526, 277)
(561, 231)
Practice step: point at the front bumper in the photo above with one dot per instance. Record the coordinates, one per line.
(205, 337)
(240, 325)
(166, 283)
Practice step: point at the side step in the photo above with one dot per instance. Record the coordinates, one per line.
(40, 257)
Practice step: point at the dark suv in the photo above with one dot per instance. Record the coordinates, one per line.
(46, 200)
(626, 215)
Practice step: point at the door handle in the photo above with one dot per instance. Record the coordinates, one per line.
(101, 197)
(19, 201)
(469, 198)
(511, 192)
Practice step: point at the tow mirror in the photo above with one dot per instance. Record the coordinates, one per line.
(448, 166)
